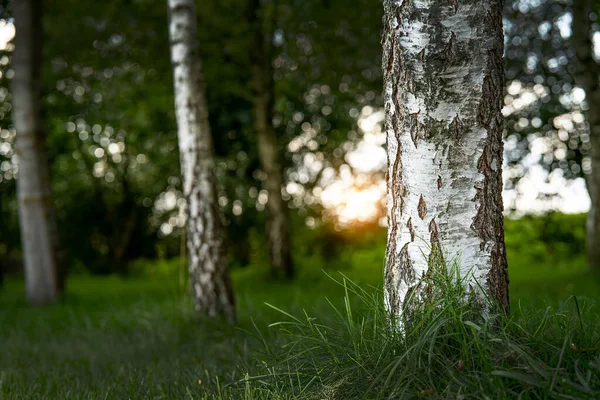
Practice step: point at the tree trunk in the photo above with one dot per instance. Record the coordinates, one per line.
(278, 238)
(209, 275)
(587, 77)
(443, 87)
(39, 233)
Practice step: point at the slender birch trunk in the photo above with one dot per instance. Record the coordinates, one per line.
(588, 78)
(209, 275)
(39, 233)
(443, 86)
(278, 238)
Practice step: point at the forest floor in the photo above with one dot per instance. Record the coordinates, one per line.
(138, 338)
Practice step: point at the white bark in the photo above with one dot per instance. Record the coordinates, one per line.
(38, 227)
(209, 276)
(443, 92)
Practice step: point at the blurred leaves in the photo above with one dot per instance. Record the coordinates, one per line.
(111, 128)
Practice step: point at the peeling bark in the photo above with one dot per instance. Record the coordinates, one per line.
(443, 86)
(209, 275)
(39, 233)
(278, 240)
(588, 78)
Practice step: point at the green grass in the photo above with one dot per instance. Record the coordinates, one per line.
(442, 350)
(113, 338)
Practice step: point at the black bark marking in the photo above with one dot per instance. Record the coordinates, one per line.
(454, 3)
(406, 274)
(399, 7)
(417, 129)
(392, 290)
(391, 56)
(450, 51)
(457, 128)
(439, 183)
(394, 76)
(411, 229)
(422, 208)
(410, 82)
(488, 222)
(436, 257)
(486, 113)
(433, 229)
(482, 162)
(414, 129)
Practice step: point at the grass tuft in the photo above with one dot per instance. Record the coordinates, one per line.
(444, 350)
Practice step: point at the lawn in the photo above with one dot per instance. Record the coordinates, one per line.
(138, 338)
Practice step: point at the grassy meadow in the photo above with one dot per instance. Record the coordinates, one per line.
(138, 337)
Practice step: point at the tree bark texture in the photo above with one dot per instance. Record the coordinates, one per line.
(443, 87)
(278, 237)
(39, 233)
(587, 77)
(209, 275)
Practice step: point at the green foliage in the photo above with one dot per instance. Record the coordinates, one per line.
(548, 237)
(108, 83)
(546, 258)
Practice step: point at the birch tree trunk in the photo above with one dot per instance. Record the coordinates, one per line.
(443, 86)
(278, 239)
(588, 78)
(39, 233)
(209, 275)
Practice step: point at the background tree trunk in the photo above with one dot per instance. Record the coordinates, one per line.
(278, 239)
(39, 233)
(443, 87)
(587, 77)
(209, 276)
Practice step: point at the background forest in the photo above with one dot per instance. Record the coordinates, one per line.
(125, 325)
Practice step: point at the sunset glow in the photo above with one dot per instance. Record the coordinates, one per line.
(349, 202)
(357, 195)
